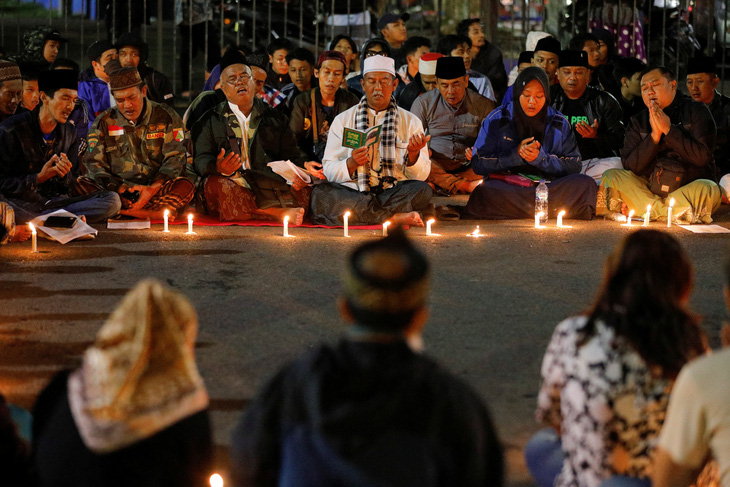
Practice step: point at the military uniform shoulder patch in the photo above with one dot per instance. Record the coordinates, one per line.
(92, 141)
(178, 134)
(155, 135)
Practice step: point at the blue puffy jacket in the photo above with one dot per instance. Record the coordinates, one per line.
(95, 92)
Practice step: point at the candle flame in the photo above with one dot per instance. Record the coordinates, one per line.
(476, 233)
(431, 221)
(671, 202)
(167, 212)
(631, 214)
(347, 214)
(559, 214)
(190, 217)
(386, 224)
(32, 228)
(216, 480)
(286, 219)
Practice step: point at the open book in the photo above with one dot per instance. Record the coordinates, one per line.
(355, 139)
(287, 170)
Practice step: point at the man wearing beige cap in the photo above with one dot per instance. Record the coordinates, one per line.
(137, 150)
(11, 89)
(377, 181)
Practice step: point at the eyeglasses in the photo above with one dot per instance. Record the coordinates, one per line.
(370, 53)
(234, 80)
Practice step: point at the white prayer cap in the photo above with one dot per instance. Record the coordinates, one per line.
(427, 63)
(725, 186)
(379, 63)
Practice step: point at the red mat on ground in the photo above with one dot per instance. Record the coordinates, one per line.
(207, 221)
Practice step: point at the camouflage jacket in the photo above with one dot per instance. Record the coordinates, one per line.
(121, 152)
(269, 139)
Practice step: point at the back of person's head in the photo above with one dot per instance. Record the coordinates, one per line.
(277, 44)
(301, 54)
(341, 37)
(647, 281)
(578, 41)
(412, 44)
(626, 67)
(387, 283)
(663, 70)
(462, 28)
(65, 63)
(451, 42)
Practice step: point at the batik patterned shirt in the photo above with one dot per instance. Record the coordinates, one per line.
(607, 405)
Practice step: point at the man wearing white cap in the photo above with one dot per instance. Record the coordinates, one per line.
(381, 181)
(424, 81)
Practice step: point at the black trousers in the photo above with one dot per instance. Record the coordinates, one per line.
(330, 201)
(498, 200)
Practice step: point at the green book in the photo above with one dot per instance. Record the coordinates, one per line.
(354, 139)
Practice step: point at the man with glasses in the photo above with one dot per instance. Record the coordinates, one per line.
(373, 47)
(137, 149)
(235, 141)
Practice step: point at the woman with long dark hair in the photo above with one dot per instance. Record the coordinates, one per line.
(607, 374)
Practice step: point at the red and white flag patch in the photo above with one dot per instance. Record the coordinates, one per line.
(115, 131)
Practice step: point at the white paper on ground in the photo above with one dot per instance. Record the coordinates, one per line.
(64, 235)
(705, 228)
(287, 170)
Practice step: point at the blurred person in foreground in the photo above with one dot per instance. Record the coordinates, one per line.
(607, 374)
(136, 411)
(371, 409)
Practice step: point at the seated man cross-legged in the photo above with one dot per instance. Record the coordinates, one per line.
(235, 141)
(39, 160)
(381, 181)
(137, 149)
(527, 136)
(667, 155)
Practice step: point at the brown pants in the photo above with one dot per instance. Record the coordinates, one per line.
(174, 193)
(229, 201)
(451, 182)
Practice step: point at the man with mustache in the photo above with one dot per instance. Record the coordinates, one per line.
(667, 155)
(39, 159)
(11, 89)
(594, 115)
(137, 150)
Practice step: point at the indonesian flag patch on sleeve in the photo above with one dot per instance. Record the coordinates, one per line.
(115, 131)
(178, 134)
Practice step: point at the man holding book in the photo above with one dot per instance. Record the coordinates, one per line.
(382, 178)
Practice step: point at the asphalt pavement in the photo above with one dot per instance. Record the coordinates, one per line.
(263, 299)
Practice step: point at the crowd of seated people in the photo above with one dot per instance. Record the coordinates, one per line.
(107, 142)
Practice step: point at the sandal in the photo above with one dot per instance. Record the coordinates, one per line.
(446, 213)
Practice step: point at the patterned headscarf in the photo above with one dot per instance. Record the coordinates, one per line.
(140, 376)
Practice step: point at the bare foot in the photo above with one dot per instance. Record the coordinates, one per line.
(296, 215)
(411, 218)
(22, 233)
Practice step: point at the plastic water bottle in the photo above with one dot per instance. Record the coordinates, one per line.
(541, 200)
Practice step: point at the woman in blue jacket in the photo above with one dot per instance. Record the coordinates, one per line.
(527, 136)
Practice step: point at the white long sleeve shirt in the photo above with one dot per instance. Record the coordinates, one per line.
(335, 157)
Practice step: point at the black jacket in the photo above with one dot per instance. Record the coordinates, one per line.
(599, 105)
(489, 62)
(690, 141)
(23, 153)
(159, 88)
(720, 109)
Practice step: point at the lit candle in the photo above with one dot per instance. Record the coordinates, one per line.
(646, 215)
(190, 224)
(669, 213)
(385, 229)
(216, 480)
(166, 216)
(475, 233)
(428, 226)
(628, 219)
(538, 216)
(347, 229)
(560, 220)
(34, 237)
(286, 226)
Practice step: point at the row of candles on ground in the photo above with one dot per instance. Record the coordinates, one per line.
(475, 233)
